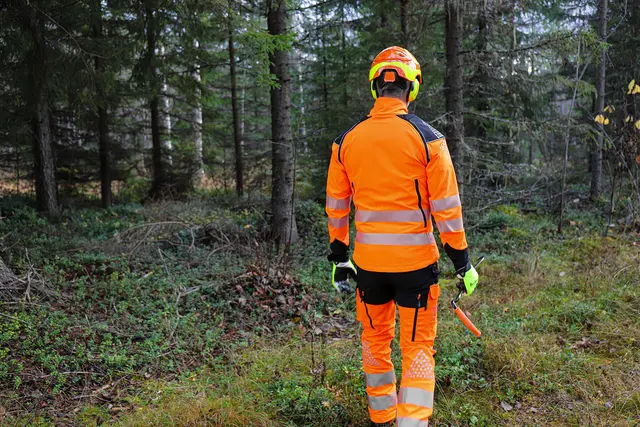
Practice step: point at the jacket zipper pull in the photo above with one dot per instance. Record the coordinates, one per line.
(419, 300)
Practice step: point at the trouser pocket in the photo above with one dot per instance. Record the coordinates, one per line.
(425, 315)
(422, 304)
(362, 310)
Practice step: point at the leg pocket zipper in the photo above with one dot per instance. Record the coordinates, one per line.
(415, 316)
(366, 309)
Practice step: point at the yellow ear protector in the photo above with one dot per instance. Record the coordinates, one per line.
(415, 88)
(390, 76)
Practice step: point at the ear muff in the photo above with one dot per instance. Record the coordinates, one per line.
(413, 92)
(415, 88)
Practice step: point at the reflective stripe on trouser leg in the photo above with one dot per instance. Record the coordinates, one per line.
(415, 402)
(381, 403)
(412, 422)
(376, 358)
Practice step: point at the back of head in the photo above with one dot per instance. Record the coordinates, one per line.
(395, 73)
(396, 88)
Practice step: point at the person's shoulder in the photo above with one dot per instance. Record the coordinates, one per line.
(342, 136)
(427, 132)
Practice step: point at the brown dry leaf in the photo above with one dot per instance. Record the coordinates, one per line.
(638, 159)
(586, 342)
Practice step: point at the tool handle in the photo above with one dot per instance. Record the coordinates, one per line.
(467, 322)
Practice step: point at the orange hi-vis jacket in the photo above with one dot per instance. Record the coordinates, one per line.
(398, 172)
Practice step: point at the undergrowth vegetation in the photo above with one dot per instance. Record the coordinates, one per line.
(180, 314)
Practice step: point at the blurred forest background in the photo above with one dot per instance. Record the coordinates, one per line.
(157, 156)
(134, 99)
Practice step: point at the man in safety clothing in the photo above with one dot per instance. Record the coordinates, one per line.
(398, 172)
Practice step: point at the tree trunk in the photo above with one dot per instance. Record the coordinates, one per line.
(596, 157)
(166, 115)
(44, 165)
(453, 83)
(384, 19)
(404, 22)
(160, 163)
(284, 229)
(197, 119)
(102, 118)
(343, 48)
(303, 123)
(480, 79)
(237, 137)
(325, 86)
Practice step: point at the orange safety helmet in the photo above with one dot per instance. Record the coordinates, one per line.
(403, 63)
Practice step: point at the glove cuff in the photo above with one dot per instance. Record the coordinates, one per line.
(339, 252)
(459, 257)
(461, 271)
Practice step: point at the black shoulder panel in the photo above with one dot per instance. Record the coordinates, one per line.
(341, 137)
(427, 132)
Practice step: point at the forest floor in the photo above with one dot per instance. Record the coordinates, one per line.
(177, 314)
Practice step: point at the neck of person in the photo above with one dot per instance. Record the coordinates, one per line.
(404, 98)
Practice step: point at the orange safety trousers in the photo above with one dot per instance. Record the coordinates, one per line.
(416, 295)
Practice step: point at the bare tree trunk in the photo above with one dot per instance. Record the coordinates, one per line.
(160, 163)
(103, 118)
(453, 83)
(303, 122)
(284, 229)
(596, 157)
(166, 115)
(480, 79)
(243, 99)
(237, 137)
(567, 138)
(343, 48)
(404, 22)
(197, 119)
(532, 65)
(45, 177)
(325, 87)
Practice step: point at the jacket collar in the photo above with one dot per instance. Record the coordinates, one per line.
(388, 107)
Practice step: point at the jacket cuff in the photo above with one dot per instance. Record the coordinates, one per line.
(459, 257)
(339, 252)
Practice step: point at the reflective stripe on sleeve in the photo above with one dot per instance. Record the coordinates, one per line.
(450, 225)
(390, 216)
(377, 380)
(333, 203)
(446, 203)
(411, 422)
(416, 396)
(391, 239)
(380, 403)
(339, 222)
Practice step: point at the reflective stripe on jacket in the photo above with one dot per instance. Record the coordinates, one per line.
(398, 172)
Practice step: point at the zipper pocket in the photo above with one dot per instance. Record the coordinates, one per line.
(415, 316)
(366, 310)
(424, 217)
(415, 324)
